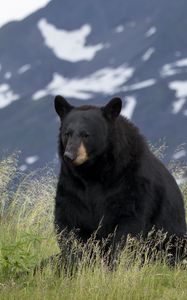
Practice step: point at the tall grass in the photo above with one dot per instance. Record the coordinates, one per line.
(27, 236)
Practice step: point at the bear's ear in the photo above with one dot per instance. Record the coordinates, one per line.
(113, 108)
(62, 107)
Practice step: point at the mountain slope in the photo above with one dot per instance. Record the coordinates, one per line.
(91, 51)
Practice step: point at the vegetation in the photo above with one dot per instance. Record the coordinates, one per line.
(27, 236)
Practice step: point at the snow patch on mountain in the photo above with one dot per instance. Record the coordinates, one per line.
(106, 81)
(147, 55)
(69, 45)
(181, 63)
(178, 105)
(23, 168)
(179, 154)
(7, 96)
(173, 68)
(151, 31)
(180, 87)
(24, 69)
(168, 70)
(128, 110)
(119, 29)
(140, 85)
(31, 159)
(8, 75)
(19, 9)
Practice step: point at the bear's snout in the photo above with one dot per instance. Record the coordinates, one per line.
(71, 149)
(82, 155)
(76, 155)
(69, 155)
(76, 152)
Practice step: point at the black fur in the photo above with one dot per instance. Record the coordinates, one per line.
(121, 188)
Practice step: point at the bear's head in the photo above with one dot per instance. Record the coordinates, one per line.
(84, 131)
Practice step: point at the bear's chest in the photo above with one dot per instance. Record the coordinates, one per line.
(92, 207)
(89, 208)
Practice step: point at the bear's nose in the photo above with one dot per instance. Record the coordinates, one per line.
(69, 155)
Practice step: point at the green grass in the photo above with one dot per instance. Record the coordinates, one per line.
(27, 236)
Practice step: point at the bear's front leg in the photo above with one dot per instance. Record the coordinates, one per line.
(127, 226)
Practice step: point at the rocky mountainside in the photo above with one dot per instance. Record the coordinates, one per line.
(90, 51)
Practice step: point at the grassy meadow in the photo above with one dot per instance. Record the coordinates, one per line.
(27, 236)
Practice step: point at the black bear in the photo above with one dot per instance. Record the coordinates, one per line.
(109, 179)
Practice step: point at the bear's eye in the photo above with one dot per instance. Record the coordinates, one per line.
(68, 133)
(84, 134)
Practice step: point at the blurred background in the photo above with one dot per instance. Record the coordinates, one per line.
(89, 51)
